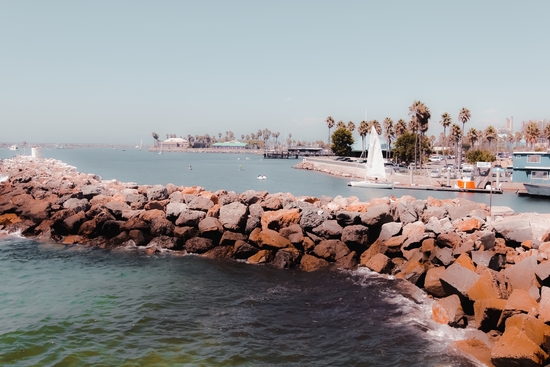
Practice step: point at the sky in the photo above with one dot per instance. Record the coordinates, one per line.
(116, 71)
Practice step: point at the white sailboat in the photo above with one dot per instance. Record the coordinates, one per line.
(375, 172)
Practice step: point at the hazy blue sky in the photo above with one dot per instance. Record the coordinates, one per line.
(115, 71)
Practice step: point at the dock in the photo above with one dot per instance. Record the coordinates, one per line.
(447, 188)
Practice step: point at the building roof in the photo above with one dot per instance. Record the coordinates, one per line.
(230, 144)
(176, 140)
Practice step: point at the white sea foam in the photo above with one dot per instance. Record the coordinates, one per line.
(415, 308)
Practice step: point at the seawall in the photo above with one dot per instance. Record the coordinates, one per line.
(490, 275)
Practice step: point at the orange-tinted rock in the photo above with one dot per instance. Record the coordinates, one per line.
(544, 305)
(477, 349)
(468, 225)
(261, 257)
(278, 219)
(269, 239)
(514, 348)
(448, 311)
(466, 262)
(533, 328)
(380, 263)
(312, 263)
(73, 239)
(490, 284)
(9, 218)
(432, 283)
(487, 313)
(519, 302)
(375, 248)
(331, 250)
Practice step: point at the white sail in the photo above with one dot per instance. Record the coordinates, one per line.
(375, 160)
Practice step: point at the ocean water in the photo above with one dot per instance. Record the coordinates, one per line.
(76, 306)
(238, 172)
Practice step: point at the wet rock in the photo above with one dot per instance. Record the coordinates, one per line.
(198, 245)
(311, 263)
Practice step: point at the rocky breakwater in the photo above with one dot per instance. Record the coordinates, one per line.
(492, 276)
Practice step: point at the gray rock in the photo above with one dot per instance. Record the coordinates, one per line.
(89, 191)
(345, 218)
(117, 208)
(312, 217)
(406, 213)
(250, 197)
(233, 216)
(526, 226)
(77, 205)
(390, 230)
(458, 280)
(200, 203)
(190, 218)
(377, 215)
(522, 276)
(329, 229)
(174, 209)
(355, 236)
(157, 192)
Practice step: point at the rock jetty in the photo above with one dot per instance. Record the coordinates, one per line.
(490, 274)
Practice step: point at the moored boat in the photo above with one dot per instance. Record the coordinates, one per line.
(537, 189)
(375, 171)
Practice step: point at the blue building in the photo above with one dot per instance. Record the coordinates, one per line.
(531, 167)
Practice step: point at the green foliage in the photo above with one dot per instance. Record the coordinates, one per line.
(480, 155)
(342, 141)
(403, 149)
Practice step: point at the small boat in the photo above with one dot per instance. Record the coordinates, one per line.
(537, 189)
(262, 177)
(14, 147)
(375, 171)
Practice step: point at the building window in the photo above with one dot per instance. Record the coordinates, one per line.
(540, 175)
(533, 158)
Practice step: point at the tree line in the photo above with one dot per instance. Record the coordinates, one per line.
(411, 142)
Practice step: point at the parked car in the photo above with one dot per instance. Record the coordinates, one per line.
(435, 173)
(436, 158)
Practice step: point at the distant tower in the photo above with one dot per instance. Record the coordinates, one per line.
(510, 124)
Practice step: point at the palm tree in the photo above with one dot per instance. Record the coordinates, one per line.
(446, 121)
(532, 133)
(363, 130)
(376, 125)
(351, 126)
(420, 114)
(547, 133)
(464, 117)
(490, 135)
(340, 125)
(156, 137)
(330, 124)
(473, 136)
(388, 130)
(400, 128)
(456, 137)
(518, 136)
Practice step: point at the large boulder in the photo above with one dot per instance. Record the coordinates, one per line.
(278, 219)
(157, 192)
(331, 250)
(377, 215)
(272, 240)
(190, 218)
(233, 216)
(312, 263)
(198, 245)
(329, 229)
(200, 203)
(522, 227)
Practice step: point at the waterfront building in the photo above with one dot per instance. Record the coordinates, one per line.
(531, 167)
(175, 143)
(230, 145)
